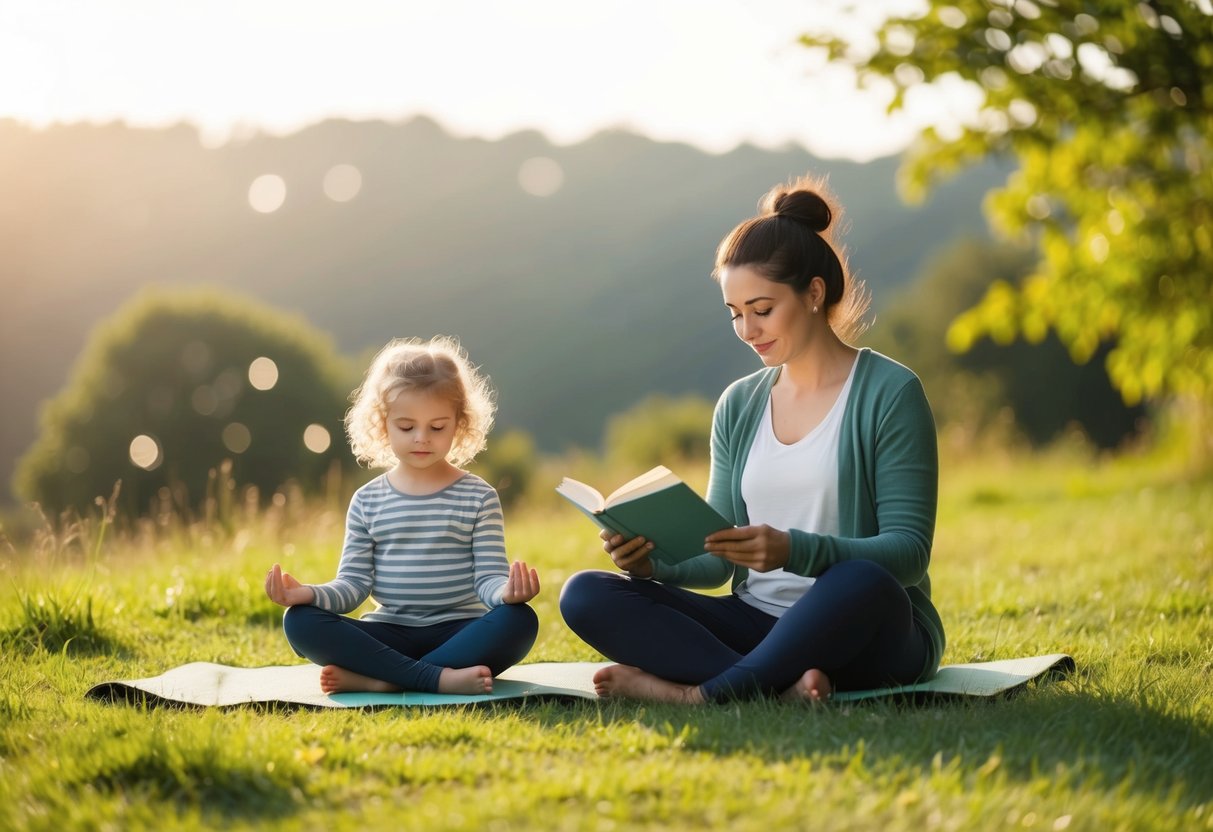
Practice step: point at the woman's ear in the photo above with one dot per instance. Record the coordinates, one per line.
(815, 295)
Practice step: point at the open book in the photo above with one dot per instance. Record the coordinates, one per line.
(656, 505)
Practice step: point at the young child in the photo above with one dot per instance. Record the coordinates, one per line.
(426, 540)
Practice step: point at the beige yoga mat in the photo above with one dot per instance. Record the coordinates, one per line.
(207, 684)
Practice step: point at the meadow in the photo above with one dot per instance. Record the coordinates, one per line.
(1107, 559)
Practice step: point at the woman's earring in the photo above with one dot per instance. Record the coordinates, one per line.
(814, 310)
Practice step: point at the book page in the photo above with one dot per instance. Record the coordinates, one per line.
(647, 483)
(583, 495)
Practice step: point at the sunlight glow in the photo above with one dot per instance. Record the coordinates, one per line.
(267, 193)
(711, 74)
(145, 452)
(263, 373)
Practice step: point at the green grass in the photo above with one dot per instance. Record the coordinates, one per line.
(1110, 561)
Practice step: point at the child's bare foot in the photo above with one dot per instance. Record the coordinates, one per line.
(466, 680)
(633, 683)
(814, 686)
(334, 679)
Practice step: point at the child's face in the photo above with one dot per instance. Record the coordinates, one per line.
(421, 428)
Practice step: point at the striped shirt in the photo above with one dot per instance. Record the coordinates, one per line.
(423, 559)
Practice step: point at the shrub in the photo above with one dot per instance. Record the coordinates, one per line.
(508, 463)
(660, 430)
(172, 386)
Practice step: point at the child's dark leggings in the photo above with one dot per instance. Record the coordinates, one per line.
(412, 658)
(855, 624)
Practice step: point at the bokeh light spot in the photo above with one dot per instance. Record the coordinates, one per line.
(1099, 247)
(145, 452)
(951, 17)
(317, 439)
(236, 438)
(263, 373)
(342, 183)
(540, 176)
(204, 400)
(1038, 207)
(267, 193)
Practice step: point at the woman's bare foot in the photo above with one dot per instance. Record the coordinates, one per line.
(621, 680)
(814, 686)
(334, 679)
(466, 680)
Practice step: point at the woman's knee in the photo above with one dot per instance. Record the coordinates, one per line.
(865, 577)
(583, 594)
(867, 571)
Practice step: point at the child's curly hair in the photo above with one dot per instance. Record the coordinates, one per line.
(441, 367)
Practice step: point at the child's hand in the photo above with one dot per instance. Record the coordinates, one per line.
(285, 590)
(523, 584)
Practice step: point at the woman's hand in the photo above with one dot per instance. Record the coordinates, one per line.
(632, 556)
(760, 548)
(285, 590)
(522, 586)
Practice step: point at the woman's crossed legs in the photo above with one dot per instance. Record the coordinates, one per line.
(853, 629)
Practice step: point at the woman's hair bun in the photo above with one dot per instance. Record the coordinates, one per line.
(799, 203)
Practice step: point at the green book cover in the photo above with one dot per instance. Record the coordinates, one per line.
(658, 506)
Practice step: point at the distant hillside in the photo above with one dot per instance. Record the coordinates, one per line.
(577, 303)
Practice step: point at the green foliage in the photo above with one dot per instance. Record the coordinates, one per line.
(1046, 392)
(188, 372)
(1108, 109)
(660, 430)
(509, 463)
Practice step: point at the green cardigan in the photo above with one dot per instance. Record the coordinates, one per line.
(888, 482)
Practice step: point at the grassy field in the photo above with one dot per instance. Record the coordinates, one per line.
(1111, 562)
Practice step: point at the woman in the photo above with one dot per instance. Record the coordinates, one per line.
(826, 462)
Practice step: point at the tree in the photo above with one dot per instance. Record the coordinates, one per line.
(1045, 392)
(1108, 109)
(174, 385)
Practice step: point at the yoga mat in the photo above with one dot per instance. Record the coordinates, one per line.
(204, 683)
(981, 680)
(207, 684)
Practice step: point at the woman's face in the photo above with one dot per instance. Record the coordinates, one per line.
(769, 316)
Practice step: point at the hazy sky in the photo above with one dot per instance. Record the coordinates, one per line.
(706, 72)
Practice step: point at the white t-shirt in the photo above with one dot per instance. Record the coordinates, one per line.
(792, 487)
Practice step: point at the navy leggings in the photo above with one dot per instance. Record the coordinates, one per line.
(855, 624)
(412, 658)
